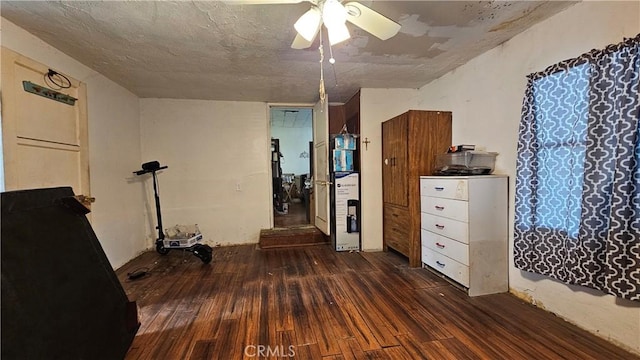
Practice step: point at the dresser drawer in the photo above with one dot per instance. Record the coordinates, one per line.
(396, 230)
(449, 208)
(453, 229)
(449, 267)
(445, 188)
(445, 246)
(397, 242)
(396, 219)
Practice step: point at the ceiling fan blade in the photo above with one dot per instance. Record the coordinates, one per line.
(301, 43)
(371, 21)
(261, 2)
(308, 24)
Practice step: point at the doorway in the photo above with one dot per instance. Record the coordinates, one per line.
(291, 165)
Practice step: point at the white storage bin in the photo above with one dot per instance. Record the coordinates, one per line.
(466, 163)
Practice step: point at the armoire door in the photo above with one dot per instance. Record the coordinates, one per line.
(401, 161)
(395, 160)
(387, 155)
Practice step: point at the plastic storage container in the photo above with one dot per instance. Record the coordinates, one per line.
(465, 163)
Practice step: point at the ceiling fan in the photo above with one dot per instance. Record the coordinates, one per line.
(334, 14)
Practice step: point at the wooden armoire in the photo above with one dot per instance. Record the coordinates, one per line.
(410, 142)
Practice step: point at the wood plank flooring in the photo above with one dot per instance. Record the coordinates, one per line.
(314, 303)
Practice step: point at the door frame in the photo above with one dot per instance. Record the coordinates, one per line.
(292, 106)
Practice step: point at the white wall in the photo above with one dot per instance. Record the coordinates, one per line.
(293, 141)
(485, 96)
(218, 158)
(114, 147)
(376, 106)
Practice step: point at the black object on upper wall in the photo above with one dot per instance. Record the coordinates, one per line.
(61, 298)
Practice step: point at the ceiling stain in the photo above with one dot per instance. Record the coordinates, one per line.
(220, 51)
(509, 23)
(412, 26)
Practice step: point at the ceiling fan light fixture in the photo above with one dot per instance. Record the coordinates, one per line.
(333, 14)
(309, 23)
(338, 34)
(352, 10)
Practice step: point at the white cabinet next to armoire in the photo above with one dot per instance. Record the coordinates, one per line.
(464, 230)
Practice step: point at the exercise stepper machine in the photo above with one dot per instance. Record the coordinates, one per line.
(163, 245)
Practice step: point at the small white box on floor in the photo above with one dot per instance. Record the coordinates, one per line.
(182, 242)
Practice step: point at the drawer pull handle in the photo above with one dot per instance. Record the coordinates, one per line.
(439, 263)
(439, 207)
(395, 215)
(441, 246)
(439, 188)
(440, 226)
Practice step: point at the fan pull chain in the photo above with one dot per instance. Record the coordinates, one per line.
(323, 94)
(332, 61)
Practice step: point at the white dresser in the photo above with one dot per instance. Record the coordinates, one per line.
(464, 230)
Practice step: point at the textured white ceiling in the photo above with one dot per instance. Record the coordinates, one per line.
(288, 117)
(221, 51)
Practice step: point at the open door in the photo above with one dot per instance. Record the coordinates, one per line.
(44, 133)
(321, 178)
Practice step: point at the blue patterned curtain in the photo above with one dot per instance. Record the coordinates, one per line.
(577, 211)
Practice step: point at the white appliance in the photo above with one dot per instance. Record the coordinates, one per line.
(345, 234)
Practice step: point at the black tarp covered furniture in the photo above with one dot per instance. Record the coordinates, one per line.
(61, 298)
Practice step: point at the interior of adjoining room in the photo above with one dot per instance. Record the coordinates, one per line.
(291, 170)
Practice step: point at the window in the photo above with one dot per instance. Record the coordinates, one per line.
(561, 103)
(577, 209)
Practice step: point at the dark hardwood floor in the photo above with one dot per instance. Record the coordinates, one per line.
(314, 303)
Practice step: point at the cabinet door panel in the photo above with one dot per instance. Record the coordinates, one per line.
(387, 161)
(400, 161)
(394, 161)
